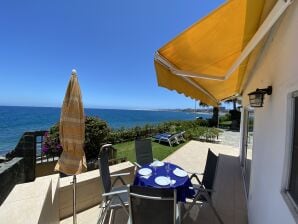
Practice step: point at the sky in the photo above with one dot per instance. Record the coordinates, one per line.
(110, 43)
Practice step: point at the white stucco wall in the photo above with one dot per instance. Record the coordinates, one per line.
(278, 67)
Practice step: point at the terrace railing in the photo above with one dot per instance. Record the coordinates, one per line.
(30, 148)
(42, 157)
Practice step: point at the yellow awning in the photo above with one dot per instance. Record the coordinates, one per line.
(208, 49)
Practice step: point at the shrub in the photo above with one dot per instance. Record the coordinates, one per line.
(96, 132)
(202, 133)
(51, 143)
(225, 117)
(129, 134)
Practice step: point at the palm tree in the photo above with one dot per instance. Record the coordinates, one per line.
(235, 115)
(215, 116)
(214, 119)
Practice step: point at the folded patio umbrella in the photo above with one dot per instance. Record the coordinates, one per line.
(72, 135)
(72, 130)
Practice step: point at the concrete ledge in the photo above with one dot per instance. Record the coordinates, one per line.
(53, 207)
(28, 203)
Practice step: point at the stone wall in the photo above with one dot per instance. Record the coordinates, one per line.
(44, 169)
(50, 198)
(26, 148)
(11, 173)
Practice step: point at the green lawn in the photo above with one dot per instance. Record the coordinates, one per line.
(127, 149)
(225, 123)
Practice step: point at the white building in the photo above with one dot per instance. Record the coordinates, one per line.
(274, 154)
(268, 57)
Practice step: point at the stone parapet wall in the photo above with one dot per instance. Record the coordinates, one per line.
(11, 173)
(50, 199)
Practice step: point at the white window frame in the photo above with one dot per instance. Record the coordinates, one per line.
(288, 155)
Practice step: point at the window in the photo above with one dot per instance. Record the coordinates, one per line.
(293, 179)
(247, 148)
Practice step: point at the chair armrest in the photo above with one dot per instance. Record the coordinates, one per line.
(200, 188)
(119, 174)
(201, 174)
(138, 165)
(114, 193)
(209, 190)
(196, 177)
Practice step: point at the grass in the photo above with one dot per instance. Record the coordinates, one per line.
(226, 123)
(160, 151)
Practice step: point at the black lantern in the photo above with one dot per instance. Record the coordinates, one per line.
(256, 98)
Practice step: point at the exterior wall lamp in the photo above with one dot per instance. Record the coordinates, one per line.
(256, 98)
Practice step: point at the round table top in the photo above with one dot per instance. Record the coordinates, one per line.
(161, 171)
(182, 184)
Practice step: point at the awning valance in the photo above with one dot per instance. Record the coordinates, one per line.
(208, 61)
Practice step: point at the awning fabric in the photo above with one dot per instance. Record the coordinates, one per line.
(72, 130)
(210, 47)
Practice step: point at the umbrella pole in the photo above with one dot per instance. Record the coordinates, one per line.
(74, 199)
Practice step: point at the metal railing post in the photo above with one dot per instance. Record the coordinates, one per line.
(74, 199)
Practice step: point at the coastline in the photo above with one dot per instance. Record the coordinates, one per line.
(15, 120)
(129, 109)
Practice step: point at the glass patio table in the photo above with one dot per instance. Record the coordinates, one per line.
(179, 179)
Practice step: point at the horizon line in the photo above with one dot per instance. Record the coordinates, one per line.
(108, 108)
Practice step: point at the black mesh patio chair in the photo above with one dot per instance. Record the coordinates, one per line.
(152, 205)
(143, 149)
(112, 197)
(204, 189)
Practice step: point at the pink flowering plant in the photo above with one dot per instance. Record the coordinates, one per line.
(96, 131)
(51, 144)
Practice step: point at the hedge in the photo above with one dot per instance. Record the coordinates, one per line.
(97, 132)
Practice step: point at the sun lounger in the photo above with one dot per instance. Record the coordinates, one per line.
(180, 137)
(161, 136)
(170, 138)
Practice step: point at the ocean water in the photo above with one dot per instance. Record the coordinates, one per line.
(14, 121)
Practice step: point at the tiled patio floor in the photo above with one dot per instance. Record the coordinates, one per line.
(229, 197)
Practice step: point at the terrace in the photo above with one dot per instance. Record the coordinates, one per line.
(49, 199)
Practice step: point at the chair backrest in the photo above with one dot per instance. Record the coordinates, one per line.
(103, 165)
(143, 150)
(180, 134)
(210, 170)
(152, 205)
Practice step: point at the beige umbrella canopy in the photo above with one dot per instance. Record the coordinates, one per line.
(72, 130)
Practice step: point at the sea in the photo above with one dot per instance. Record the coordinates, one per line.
(15, 120)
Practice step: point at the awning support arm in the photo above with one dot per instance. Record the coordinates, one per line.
(271, 19)
(203, 90)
